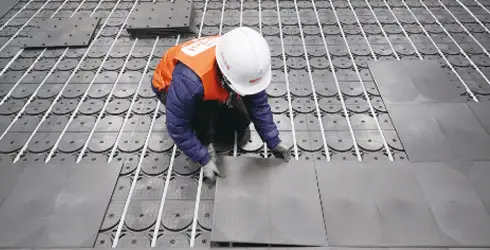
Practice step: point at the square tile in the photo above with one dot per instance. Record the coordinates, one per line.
(77, 31)
(455, 194)
(440, 132)
(267, 201)
(161, 18)
(412, 82)
(57, 205)
(403, 204)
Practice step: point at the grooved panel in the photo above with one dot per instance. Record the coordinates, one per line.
(330, 102)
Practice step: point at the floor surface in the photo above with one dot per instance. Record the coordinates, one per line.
(95, 104)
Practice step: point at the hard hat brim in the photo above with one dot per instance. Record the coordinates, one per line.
(241, 88)
(244, 90)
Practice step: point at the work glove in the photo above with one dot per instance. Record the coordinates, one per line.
(281, 151)
(210, 171)
(212, 152)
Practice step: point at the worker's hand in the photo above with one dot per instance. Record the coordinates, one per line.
(212, 153)
(282, 151)
(210, 171)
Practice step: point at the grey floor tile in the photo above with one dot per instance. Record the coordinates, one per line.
(402, 207)
(440, 132)
(9, 173)
(6, 5)
(57, 205)
(414, 82)
(405, 204)
(456, 205)
(269, 202)
(349, 209)
(482, 112)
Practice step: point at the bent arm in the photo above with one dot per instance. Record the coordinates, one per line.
(181, 105)
(261, 115)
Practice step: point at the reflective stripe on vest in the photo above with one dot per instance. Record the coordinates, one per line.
(199, 56)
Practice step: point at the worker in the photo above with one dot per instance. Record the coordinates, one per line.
(216, 85)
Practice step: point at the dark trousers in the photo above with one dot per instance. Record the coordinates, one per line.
(216, 123)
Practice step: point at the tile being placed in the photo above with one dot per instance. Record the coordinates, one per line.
(266, 201)
(440, 132)
(405, 204)
(412, 82)
(58, 32)
(57, 205)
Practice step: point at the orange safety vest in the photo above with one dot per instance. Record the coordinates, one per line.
(199, 56)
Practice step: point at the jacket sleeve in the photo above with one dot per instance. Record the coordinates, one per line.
(261, 115)
(183, 92)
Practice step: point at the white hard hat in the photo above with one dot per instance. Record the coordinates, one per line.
(244, 58)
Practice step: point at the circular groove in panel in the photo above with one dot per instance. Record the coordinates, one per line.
(301, 90)
(131, 142)
(278, 105)
(113, 64)
(205, 216)
(102, 142)
(90, 64)
(106, 77)
(64, 106)
(182, 187)
(37, 107)
(45, 64)
(303, 105)
(111, 219)
(72, 142)
(53, 53)
(91, 106)
(177, 215)
(97, 52)
(319, 63)
(119, 52)
(160, 142)
(11, 106)
(184, 166)
(141, 216)
(99, 90)
(253, 143)
(21, 64)
(155, 164)
(133, 78)
(11, 142)
(339, 140)
(173, 240)
(369, 140)
(117, 106)
(276, 89)
(136, 64)
(41, 142)
(67, 64)
(144, 106)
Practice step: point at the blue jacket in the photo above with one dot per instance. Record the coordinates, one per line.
(186, 88)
